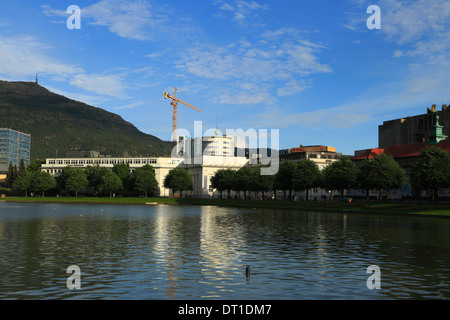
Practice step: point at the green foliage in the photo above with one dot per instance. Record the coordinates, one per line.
(381, 173)
(95, 175)
(41, 182)
(21, 166)
(243, 179)
(144, 179)
(284, 176)
(307, 176)
(262, 183)
(76, 180)
(36, 165)
(223, 180)
(11, 175)
(58, 123)
(23, 181)
(431, 171)
(122, 170)
(178, 179)
(110, 182)
(340, 175)
(62, 178)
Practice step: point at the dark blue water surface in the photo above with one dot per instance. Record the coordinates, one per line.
(193, 252)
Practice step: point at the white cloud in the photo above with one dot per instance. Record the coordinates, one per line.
(23, 55)
(291, 88)
(110, 85)
(88, 99)
(418, 27)
(398, 53)
(241, 10)
(332, 118)
(133, 105)
(280, 65)
(410, 21)
(244, 98)
(127, 19)
(133, 19)
(422, 86)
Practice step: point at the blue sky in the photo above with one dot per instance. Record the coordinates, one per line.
(310, 68)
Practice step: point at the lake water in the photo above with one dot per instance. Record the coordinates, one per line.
(193, 252)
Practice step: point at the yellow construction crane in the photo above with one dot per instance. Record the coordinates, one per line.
(174, 100)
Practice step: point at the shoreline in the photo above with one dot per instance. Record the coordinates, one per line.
(410, 209)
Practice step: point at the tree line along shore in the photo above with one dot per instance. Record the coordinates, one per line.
(431, 171)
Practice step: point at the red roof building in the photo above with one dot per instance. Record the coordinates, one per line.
(404, 154)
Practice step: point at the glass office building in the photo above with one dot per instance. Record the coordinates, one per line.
(14, 146)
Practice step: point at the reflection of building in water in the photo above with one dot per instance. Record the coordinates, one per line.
(167, 249)
(220, 241)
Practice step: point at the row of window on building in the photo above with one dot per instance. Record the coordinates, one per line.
(95, 161)
(14, 147)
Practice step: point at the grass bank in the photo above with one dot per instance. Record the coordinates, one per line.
(441, 210)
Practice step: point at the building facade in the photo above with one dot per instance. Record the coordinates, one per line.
(201, 172)
(218, 145)
(14, 147)
(405, 155)
(414, 129)
(321, 155)
(202, 158)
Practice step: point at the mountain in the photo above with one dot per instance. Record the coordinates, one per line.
(58, 124)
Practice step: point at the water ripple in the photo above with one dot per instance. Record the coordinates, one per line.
(147, 252)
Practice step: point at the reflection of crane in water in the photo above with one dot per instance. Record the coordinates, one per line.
(174, 100)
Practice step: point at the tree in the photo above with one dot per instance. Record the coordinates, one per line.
(62, 178)
(366, 179)
(144, 179)
(122, 170)
(23, 181)
(21, 166)
(217, 181)
(10, 176)
(340, 175)
(178, 179)
(42, 182)
(381, 173)
(243, 178)
(223, 180)
(283, 178)
(262, 183)
(95, 176)
(431, 171)
(36, 165)
(76, 181)
(110, 182)
(307, 176)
